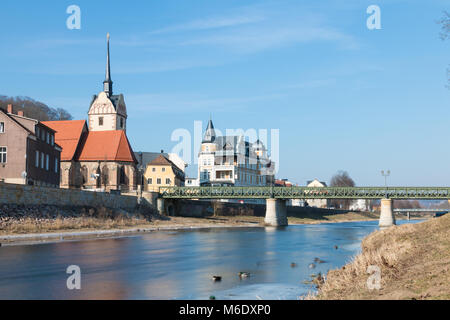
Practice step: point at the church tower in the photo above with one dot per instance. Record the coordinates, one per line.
(107, 111)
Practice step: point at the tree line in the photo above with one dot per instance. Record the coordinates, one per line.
(34, 109)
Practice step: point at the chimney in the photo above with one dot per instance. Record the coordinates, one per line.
(20, 113)
(9, 109)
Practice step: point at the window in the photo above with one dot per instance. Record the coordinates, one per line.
(2, 154)
(52, 139)
(48, 137)
(121, 122)
(37, 132)
(100, 121)
(167, 180)
(42, 135)
(163, 169)
(56, 165)
(37, 159)
(153, 169)
(42, 160)
(149, 181)
(2, 127)
(158, 181)
(47, 158)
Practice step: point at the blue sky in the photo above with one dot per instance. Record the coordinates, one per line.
(342, 96)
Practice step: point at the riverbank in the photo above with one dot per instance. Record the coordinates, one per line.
(109, 224)
(414, 260)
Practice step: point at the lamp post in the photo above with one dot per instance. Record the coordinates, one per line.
(385, 175)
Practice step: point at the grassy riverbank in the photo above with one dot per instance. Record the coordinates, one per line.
(414, 260)
(25, 225)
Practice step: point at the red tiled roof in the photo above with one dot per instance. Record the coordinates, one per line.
(68, 135)
(106, 146)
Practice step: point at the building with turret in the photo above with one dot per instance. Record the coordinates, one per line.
(233, 161)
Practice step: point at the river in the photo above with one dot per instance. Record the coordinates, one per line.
(180, 265)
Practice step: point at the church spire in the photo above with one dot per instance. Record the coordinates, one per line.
(210, 133)
(107, 84)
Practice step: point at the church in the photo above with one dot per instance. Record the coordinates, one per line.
(96, 155)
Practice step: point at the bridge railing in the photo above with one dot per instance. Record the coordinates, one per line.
(212, 192)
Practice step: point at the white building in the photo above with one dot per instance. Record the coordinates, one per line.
(360, 205)
(230, 160)
(318, 203)
(191, 182)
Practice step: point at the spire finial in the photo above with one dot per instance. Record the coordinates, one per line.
(107, 84)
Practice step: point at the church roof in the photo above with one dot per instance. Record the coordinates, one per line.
(68, 135)
(110, 145)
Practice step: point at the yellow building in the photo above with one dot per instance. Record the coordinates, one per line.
(161, 172)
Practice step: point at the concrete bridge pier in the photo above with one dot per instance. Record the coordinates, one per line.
(160, 206)
(276, 213)
(387, 218)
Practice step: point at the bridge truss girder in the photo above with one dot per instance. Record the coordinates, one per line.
(431, 193)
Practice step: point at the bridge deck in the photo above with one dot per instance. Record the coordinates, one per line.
(305, 192)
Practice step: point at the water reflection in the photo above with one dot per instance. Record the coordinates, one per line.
(179, 265)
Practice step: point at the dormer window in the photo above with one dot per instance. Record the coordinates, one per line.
(100, 121)
(2, 127)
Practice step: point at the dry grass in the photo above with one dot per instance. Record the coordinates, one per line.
(107, 219)
(339, 217)
(29, 225)
(414, 260)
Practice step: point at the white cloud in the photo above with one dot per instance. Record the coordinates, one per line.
(185, 103)
(211, 23)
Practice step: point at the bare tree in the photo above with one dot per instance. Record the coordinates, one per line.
(341, 179)
(445, 26)
(407, 204)
(445, 35)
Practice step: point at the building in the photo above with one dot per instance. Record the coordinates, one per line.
(97, 155)
(318, 203)
(360, 205)
(233, 161)
(144, 158)
(162, 172)
(191, 182)
(283, 183)
(28, 152)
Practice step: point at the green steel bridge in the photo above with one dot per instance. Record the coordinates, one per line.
(212, 192)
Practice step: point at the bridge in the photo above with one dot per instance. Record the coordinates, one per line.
(436, 212)
(276, 196)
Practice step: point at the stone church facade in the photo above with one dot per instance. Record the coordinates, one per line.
(96, 155)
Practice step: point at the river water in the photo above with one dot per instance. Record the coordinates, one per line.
(180, 265)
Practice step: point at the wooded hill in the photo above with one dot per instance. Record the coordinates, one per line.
(34, 109)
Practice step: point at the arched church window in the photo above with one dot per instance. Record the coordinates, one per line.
(84, 175)
(122, 176)
(105, 175)
(99, 178)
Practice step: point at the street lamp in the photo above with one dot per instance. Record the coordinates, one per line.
(385, 175)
